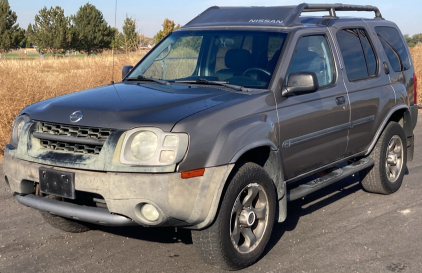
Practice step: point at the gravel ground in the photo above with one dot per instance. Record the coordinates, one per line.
(338, 229)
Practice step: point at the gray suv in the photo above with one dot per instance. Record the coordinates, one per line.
(211, 128)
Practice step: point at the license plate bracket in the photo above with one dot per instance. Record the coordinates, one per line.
(57, 182)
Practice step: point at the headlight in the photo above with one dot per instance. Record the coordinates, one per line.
(144, 145)
(17, 127)
(153, 147)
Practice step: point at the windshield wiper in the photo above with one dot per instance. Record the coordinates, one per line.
(225, 84)
(143, 78)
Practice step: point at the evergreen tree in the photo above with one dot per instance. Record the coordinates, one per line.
(117, 42)
(90, 31)
(168, 27)
(51, 30)
(130, 36)
(11, 35)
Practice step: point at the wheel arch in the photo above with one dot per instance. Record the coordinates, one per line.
(401, 115)
(267, 155)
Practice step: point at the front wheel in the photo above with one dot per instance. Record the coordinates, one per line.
(244, 222)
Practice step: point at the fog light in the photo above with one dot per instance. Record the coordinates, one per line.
(150, 212)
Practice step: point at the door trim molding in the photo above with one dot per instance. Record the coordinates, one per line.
(325, 132)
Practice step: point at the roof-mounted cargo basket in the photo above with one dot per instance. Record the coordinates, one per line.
(284, 16)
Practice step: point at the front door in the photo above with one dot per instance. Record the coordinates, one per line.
(313, 127)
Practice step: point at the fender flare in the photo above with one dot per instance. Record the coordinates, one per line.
(274, 168)
(261, 143)
(383, 124)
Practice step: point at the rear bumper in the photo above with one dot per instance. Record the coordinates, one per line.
(189, 202)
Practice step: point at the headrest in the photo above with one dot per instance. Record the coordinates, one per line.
(238, 59)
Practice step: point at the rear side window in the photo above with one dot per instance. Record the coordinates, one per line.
(394, 47)
(358, 54)
(371, 60)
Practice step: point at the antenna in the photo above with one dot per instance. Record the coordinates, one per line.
(114, 43)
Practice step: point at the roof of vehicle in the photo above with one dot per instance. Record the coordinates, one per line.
(283, 16)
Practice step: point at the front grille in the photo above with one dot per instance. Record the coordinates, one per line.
(71, 138)
(74, 131)
(71, 147)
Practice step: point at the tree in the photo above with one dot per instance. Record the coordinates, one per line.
(168, 27)
(144, 41)
(90, 31)
(117, 39)
(11, 35)
(409, 40)
(130, 35)
(51, 30)
(414, 40)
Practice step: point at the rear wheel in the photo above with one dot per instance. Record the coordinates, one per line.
(244, 222)
(389, 155)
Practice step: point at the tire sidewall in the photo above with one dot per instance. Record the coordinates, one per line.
(242, 178)
(394, 129)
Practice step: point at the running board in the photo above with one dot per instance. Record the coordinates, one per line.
(329, 179)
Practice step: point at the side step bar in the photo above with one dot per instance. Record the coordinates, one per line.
(328, 179)
(93, 215)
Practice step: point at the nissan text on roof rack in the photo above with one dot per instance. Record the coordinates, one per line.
(209, 130)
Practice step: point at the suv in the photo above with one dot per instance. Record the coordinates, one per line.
(209, 130)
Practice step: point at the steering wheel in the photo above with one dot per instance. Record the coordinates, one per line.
(259, 69)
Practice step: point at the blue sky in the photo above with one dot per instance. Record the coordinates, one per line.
(151, 14)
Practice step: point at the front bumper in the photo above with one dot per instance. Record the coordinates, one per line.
(189, 202)
(82, 213)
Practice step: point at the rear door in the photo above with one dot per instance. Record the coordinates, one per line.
(313, 127)
(368, 86)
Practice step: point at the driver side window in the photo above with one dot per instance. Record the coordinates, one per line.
(312, 54)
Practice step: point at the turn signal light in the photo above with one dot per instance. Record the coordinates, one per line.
(193, 173)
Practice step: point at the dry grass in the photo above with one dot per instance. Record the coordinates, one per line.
(25, 82)
(416, 53)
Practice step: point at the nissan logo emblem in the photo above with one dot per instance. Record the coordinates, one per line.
(76, 116)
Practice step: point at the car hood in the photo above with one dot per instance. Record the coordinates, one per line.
(128, 105)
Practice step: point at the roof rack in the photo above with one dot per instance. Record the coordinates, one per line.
(285, 16)
(332, 8)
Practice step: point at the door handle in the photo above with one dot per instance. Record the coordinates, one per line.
(340, 100)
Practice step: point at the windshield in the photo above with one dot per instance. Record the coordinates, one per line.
(243, 58)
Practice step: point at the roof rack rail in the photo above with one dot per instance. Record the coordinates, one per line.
(332, 8)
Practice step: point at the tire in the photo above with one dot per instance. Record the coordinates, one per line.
(390, 158)
(64, 224)
(244, 222)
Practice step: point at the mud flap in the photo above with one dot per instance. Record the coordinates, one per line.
(282, 206)
(410, 148)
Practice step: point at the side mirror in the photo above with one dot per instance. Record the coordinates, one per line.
(301, 83)
(126, 69)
